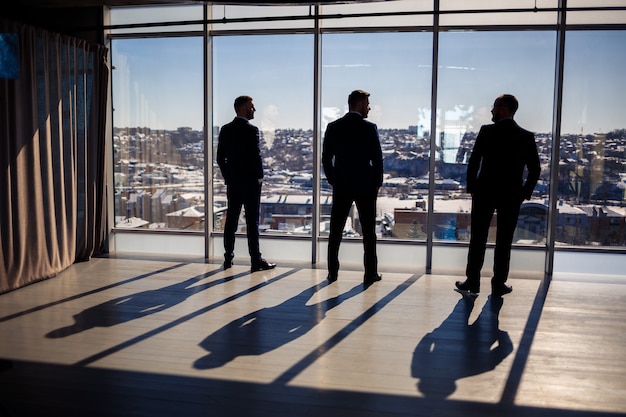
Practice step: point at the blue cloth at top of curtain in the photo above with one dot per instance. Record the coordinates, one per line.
(9, 56)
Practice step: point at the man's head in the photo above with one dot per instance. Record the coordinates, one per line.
(244, 107)
(359, 101)
(505, 106)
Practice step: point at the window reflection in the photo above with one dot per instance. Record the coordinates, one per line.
(157, 135)
(592, 170)
(475, 68)
(396, 69)
(277, 72)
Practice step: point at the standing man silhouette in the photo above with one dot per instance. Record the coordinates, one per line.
(353, 163)
(495, 178)
(239, 159)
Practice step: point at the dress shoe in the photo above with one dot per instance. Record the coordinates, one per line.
(228, 259)
(500, 289)
(370, 279)
(262, 265)
(467, 288)
(331, 278)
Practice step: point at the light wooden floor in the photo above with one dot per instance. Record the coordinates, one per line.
(132, 337)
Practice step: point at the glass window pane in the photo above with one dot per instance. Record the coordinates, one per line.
(499, 19)
(277, 72)
(592, 166)
(280, 13)
(596, 17)
(156, 14)
(496, 4)
(572, 4)
(403, 7)
(531, 17)
(395, 68)
(475, 68)
(158, 139)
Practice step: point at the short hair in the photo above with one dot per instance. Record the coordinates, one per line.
(356, 96)
(241, 100)
(509, 101)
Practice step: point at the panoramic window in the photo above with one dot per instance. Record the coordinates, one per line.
(159, 110)
(277, 72)
(475, 68)
(158, 134)
(395, 68)
(592, 159)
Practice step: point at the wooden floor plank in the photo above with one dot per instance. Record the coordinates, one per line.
(138, 337)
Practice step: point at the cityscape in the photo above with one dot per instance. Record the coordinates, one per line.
(159, 184)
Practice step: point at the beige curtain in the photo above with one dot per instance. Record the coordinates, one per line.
(52, 178)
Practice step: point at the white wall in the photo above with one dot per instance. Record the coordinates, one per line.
(392, 256)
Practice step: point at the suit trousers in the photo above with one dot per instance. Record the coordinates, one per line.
(365, 201)
(247, 196)
(483, 208)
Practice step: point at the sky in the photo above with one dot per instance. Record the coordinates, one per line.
(158, 82)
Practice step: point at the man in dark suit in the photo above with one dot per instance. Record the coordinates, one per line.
(239, 159)
(353, 164)
(495, 178)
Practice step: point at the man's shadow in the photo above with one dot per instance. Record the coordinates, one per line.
(457, 349)
(131, 307)
(269, 328)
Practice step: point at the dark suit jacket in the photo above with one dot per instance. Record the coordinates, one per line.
(351, 154)
(239, 154)
(496, 165)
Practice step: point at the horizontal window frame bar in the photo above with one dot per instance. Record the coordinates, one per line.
(225, 20)
(401, 29)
